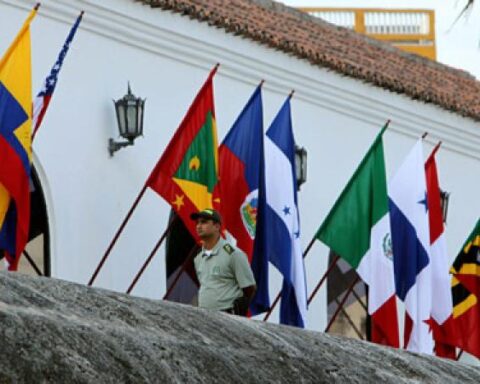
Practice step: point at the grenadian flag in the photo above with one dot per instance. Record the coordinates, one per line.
(408, 205)
(187, 172)
(15, 144)
(241, 164)
(278, 220)
(358, 230)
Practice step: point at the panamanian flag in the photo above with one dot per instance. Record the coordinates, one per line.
(408, 205)
(279, 217)
(241, 163)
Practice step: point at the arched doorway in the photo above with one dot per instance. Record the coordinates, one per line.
(180, 246)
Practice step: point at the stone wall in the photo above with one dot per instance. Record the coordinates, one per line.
(58, 332)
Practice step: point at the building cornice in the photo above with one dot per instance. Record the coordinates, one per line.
(171, 35)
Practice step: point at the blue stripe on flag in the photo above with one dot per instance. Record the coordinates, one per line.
(280, 249)
(12, 116)
(280, 213)
(410, 256)
(8, 231)
(245, 138)
(289, 312)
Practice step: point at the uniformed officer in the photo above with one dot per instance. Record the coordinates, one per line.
(226, 279)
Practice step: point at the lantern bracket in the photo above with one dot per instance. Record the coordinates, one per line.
(114, 146)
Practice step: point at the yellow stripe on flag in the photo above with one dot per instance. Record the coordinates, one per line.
(197, 193)
(4, 203)
(16, 76)
(474, 243)
(215, 143)
(464, 306)
(469, 269)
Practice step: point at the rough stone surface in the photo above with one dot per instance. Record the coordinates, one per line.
(58, 332)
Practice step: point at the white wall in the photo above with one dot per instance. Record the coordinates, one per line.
(166, 58)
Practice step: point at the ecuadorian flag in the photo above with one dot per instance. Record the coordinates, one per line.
(15, 144)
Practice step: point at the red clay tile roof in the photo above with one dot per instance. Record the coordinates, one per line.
(339, 49)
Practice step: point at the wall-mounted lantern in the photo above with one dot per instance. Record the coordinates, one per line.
(300, 165)
(129, 110)
(444, 199)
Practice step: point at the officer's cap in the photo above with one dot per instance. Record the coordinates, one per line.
(208, 214)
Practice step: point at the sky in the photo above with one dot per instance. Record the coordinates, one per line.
(457, 46)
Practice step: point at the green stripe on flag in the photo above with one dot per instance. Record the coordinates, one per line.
(362, 203)
(198, 164)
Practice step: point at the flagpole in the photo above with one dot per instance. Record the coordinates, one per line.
(320, 283)
(350, 321)
(150, 257)
(344, 299)
(32, 263)
(275, 302)
(182, 269)
(117, 235)
(459, 355)
(434, 150)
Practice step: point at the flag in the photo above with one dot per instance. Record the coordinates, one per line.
(466, 266)
(43, 98)
(179, 245)
(279, 217)
(465, 293)
(462, 328)
(466, 319)
(15, 144)
(358, 230)
(442, 306)
(411, 243)
(241, 164)
(187, 173)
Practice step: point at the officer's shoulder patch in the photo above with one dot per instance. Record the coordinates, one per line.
(229, 249)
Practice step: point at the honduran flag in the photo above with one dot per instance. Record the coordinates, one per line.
(279, 217)
(42, 100)
(411, 243)
(241, 164)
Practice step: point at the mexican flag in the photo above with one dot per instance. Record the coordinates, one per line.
(186, 174)
(358, 230)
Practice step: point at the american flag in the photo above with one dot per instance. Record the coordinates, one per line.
(40, 104)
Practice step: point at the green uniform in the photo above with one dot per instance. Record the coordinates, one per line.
(222, 275)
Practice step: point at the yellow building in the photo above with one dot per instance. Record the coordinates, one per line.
(412, 30)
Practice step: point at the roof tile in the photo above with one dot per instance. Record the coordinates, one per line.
(339, 49)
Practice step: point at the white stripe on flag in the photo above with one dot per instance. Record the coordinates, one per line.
(280, 197)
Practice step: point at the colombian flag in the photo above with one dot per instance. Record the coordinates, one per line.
(187, 173)
(15, 144)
